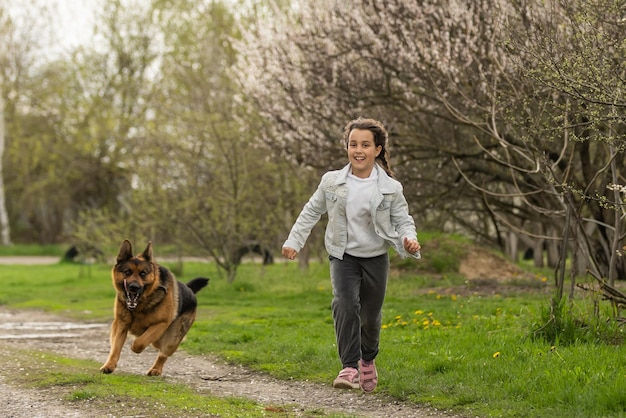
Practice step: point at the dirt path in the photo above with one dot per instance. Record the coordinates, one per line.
(39, 331)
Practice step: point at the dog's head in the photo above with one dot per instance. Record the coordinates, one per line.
(134, 276)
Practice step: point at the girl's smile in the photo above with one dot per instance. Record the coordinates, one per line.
(362, 152)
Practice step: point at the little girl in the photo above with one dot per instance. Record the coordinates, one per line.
(367, 213)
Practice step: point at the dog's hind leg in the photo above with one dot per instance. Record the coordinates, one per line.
(157, 367)
(169, 342)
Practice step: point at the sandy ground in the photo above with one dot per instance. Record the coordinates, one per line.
(29, 260)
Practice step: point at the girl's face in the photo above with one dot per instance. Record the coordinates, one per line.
(362, 152)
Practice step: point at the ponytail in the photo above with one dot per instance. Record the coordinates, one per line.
(383, 161)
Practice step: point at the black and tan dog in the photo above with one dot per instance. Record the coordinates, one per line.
(150, 304)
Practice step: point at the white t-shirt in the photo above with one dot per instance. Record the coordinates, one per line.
(362, 238)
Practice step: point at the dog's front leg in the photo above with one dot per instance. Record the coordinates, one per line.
(152, 334)
(118, 336)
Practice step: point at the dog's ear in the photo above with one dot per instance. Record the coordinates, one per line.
(147, 253)
(126, 251)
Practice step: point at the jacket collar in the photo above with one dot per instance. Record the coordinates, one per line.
(385, 183)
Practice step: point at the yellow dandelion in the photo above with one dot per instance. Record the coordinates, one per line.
(496, 354)
(419, 312)
(436, 323)
(453, 297)
(384, 326)
(544, 279)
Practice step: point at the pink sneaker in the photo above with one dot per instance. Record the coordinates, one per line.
(369, 376)
(348, 378)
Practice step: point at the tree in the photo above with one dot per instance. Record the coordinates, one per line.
(197, 179)
(576, 56)
(5, 229)
(75, 116)
(24, 32)
(222, 187)
(313, 69)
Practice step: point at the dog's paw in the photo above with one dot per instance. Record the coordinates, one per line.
(106, 369)
(154, 372)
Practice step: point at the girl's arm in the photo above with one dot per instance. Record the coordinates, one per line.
(404, 224)
(309, 216)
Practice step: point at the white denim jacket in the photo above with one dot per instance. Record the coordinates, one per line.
(388, 206)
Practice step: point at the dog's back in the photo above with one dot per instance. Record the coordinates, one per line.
(187, 294)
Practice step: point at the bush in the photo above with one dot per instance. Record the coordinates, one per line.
(565, 323)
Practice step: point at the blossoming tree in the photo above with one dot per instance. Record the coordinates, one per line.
(506, 118)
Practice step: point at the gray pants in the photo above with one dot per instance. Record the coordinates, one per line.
(359, 286)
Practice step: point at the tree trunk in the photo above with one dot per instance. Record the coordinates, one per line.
(5, 231)
(512, 246)
(617, 222)
(303, 257)
(538, 247)
(553, 251)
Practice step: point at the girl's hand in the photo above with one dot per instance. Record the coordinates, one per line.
(290, 253)
(410, 245)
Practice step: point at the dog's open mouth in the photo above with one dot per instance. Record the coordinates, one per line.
(133, 292)
(132, 299)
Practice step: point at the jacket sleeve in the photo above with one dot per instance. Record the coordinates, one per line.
(402, 221)
(308, 218)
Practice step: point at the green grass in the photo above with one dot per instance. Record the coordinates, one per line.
(75, 290)
(442, 344)
(33, 249)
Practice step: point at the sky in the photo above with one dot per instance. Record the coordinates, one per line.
(74, 22)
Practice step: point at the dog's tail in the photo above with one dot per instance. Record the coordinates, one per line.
(197, 284)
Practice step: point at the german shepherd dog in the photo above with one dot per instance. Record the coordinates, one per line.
(150, 304)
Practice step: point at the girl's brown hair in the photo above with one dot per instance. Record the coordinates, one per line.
(380, 138)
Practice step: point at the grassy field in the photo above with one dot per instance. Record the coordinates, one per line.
(443, 343)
